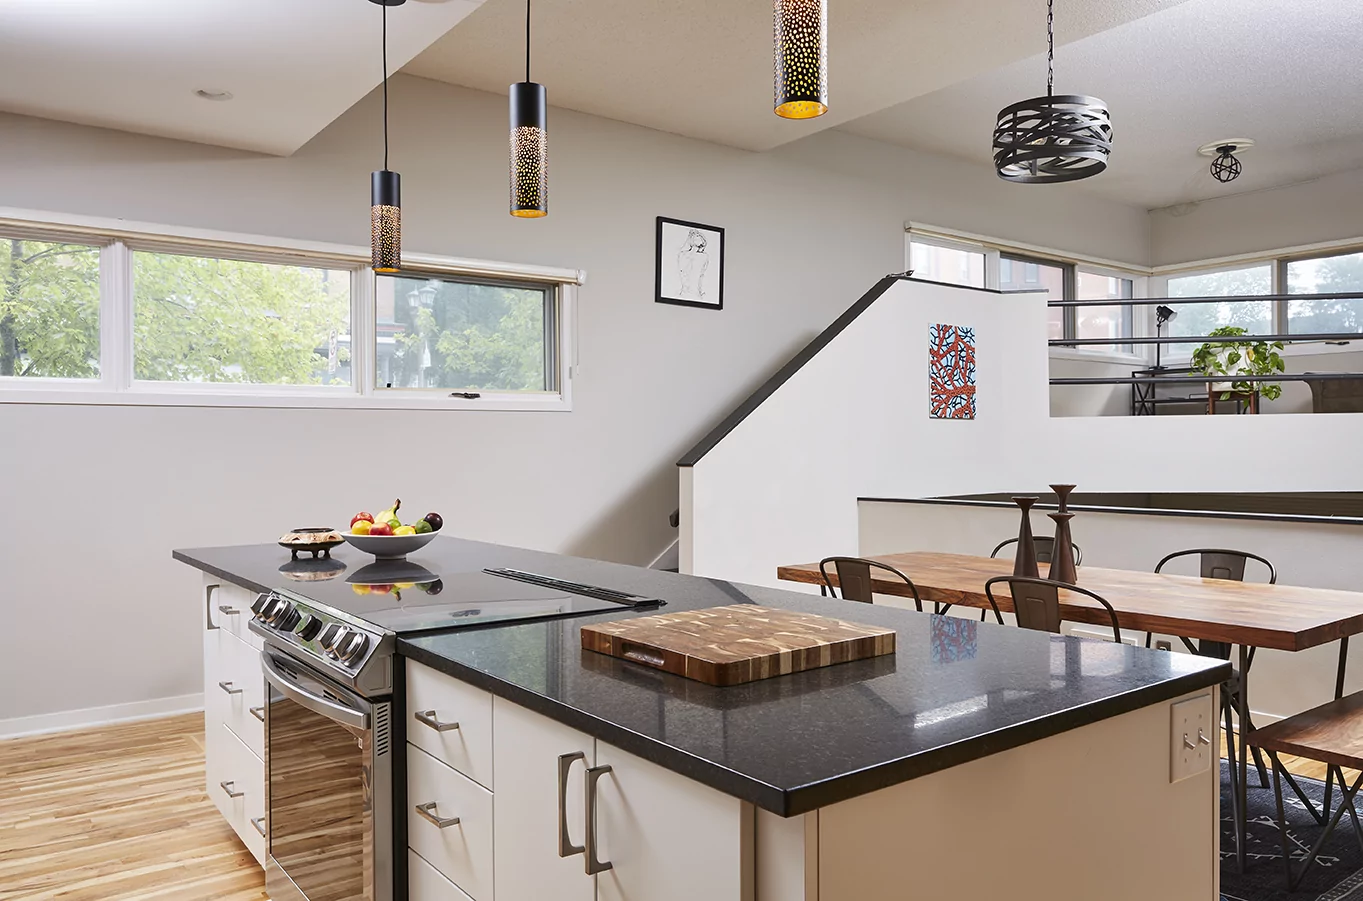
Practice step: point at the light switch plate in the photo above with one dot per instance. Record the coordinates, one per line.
(1192, 737)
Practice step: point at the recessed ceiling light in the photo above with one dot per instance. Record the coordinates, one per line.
(208, 94)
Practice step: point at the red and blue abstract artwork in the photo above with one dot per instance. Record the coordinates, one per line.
(951, 372)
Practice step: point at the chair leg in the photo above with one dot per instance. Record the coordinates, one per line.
(1282, 820)
(1248, 725)
(983, 614)
(1345, 801)
(1149, 636)
(1319, 816)
(1230, 758)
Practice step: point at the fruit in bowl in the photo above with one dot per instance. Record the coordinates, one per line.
(386, 536)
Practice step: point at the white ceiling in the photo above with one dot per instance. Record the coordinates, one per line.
(703, 68)
(1282, 72)
(293, 65)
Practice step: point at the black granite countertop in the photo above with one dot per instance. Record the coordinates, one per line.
(954, 691)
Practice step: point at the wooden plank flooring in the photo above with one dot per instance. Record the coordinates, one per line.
(117, 813)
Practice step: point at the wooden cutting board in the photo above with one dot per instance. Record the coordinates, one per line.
(737, 644)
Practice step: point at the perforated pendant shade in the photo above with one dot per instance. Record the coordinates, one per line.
(529, 151)
(801, 58)
(385, 215)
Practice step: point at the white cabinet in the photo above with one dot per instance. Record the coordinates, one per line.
(234, 698)
(426, 883)
(449, 823)
(526, 760)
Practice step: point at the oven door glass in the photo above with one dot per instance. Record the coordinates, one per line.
(320, 785)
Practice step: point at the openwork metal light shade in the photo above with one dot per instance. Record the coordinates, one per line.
(385, 213)
(1055, 138)
(529, 151)
(801, 58)
(1226, 167)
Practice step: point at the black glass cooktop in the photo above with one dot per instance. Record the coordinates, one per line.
(404, 597)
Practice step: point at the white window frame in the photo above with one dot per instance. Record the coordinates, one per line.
(118, 240)
(1181, 354)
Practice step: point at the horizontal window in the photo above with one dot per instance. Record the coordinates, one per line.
(1102, 322)
(147, 317)
(1021, 274)
(1342, 273)
(945, 263)
(49, 312)
(443, 333)
(1256, 316)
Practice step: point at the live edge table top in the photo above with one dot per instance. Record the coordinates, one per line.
(1283, 617)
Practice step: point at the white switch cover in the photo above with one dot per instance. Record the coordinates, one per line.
(1192, 737)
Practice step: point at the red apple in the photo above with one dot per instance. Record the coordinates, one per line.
(381, 528)
(359, 516)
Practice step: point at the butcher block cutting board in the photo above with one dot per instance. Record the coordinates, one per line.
(737, 644)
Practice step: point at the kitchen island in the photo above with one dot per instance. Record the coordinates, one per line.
(978, 761)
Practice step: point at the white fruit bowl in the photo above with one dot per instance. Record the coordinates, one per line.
(389, 547)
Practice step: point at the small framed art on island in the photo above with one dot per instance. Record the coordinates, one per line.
(690, 264)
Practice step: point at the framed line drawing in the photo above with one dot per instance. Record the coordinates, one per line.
(690, 264)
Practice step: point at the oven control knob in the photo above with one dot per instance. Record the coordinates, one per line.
(260, 603)
(309, 628)
(289, 620)
(279, 614)
(265, 607)
(352, 647)
(331, 635)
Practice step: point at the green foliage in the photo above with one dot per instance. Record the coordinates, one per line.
(1232, 358)
(49, 309)
(206, 320)
(1200, 319)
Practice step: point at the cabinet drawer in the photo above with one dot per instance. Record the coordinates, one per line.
(424, 882)
(234, 688)
(445, 700)
(236, 783)
(461, 851)
(229, 608)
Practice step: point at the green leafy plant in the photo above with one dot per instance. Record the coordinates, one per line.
(1231, 358)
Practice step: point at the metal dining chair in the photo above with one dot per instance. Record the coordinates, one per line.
(1045, 552)
(1230, 565)
(1036, 603)
(854, 575)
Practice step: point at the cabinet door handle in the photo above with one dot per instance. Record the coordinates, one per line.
(594, 866)
(258, 713)
(208, 607)
(227, 787)
(566, 848)
(227, 687)
(259, 823)
(230, 611)
(428, 718)
(428, 813)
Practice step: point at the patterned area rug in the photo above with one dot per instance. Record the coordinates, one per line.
(1336, 875)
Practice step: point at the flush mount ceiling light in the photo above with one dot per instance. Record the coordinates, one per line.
(1226, 167)
(385, 187)
(801, 66)
(529, 142)
(1059, 137)
(209, 94)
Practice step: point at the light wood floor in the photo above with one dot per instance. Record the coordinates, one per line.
(117, 813)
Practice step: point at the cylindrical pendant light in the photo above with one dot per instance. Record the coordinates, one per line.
(385, 187)
(529, 142)
(801, 49)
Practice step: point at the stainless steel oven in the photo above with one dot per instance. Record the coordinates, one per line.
(328, 788)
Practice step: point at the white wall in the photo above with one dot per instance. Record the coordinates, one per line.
(806, 237)
(1091, 400)
(1309, 554)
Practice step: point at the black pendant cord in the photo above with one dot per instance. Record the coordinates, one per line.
(1050, 48)
(527, 40)
(385, 87)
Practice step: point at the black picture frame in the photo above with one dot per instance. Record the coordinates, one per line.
(673, 296)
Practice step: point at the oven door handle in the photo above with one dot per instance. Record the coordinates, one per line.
(346, 716)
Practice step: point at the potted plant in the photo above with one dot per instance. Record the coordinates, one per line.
(1232, 358)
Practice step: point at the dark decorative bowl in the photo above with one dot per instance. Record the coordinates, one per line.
(319, 541)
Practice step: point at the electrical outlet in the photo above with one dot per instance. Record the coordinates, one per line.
(1164, 644)
(1192, 737)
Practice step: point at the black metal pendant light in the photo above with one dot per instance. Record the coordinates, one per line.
(529, 142)
(1059, 137)
(385, 188)
(1226, 167)
(800, 33)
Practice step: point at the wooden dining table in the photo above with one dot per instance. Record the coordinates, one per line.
(1247, 615)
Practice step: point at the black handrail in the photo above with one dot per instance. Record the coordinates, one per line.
(1209, 339)
(1238, 298)
(1218, 379)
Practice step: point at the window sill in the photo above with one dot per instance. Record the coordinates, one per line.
(289, 400)
(1097, 356)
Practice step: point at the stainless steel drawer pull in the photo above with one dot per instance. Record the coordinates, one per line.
(594, 866)
(230, 611)
(258, 713)
(209, 625)
(428, 813)
(428, 718)
(227, 787)
(259, 823)
(227, 687)
(566, 848)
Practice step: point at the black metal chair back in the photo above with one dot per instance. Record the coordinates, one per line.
(854, 575)
(1036, 603)
(1045, 549)
(1221, 563)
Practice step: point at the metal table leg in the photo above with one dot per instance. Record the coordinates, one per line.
(1242, 739)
